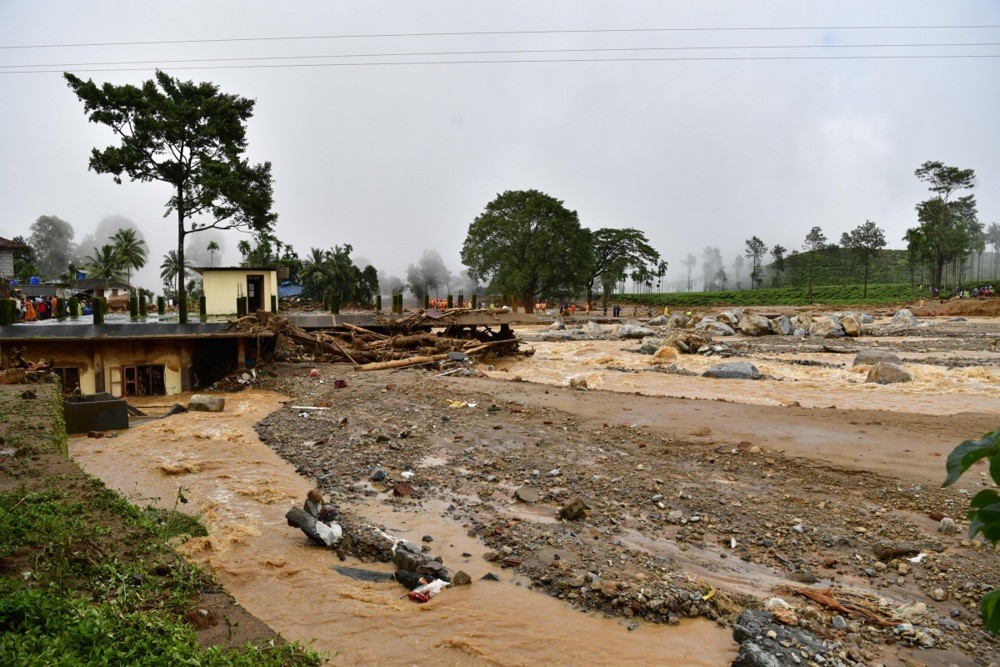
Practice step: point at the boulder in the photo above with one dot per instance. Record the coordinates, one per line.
(714, 328)
(593, 329)
(800, 332)
(872, 357)
(803, 320)
(886, 373)
(527, 494)
(755, 325)
(866, 318)
(206, 403)
(851, 325)
(556, 335)
(650, 345)
(764, 642)
(738, 370)
(677, 321)
(902, 319)
(558, 325)
(728, 317)
(631, 331)
(658, 321)
(688, 342)
(782, 325)
(826, 327)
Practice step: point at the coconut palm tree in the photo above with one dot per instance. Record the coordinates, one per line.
(213, 248)
(170, 270)
(105, 264)
(131, 252)
(315, 273)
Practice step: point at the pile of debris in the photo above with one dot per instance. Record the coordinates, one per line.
(410, 344)
(422, 574)
(15, 369)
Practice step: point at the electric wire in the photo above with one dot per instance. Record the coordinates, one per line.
(585, 31)
(406, 54)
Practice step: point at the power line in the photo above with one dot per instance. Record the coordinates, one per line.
(523, 61)
(498, 32)
(509, 52)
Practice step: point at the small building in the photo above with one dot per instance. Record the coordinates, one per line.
(134, 359)
(115, 292)
(7, 248)
(222, 285)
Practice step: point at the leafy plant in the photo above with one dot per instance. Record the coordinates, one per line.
(984, 515)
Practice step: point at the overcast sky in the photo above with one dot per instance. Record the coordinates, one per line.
(699, 147)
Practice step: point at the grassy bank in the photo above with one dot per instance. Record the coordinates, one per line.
(86, 578)
(823, 295)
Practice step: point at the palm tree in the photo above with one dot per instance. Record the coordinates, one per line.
(170, 270)
(105, 264)
(315, 273)
(213, 248)
(131, 252)
(244, 248)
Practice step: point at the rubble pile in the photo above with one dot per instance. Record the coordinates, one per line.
(411, 344)
(14, 369)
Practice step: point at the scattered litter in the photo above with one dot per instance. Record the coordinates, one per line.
(427, 591)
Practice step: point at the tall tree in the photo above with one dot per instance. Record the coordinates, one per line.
(755, 249)
(689, 263)
(737, 269)
(865, 241)
(105, 264)
(433, 274)
(945, 223)
(993, 238)
(191, 137)
(172, 273)
(711, 262)
(107, 227)
(51, 241)
(131, 252)
(528, 244)
(616, 253)
(315, 273)
(815, 242)
(24, 260)
(778, 255)
(212, 248)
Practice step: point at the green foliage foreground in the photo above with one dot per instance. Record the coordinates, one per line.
(984, 517)
(786, 296)
(83, 582)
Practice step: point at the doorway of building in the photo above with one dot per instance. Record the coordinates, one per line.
(255, 293)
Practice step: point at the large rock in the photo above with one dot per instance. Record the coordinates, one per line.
(556, 335)
(205, 403)
(631, 331)
(851, 325)
(872, 357)
(593, 329)
(665, 355)
(658, 321)
(767, 643)
(688, 342)
(714, 328)
(902, 319)
(729, 317)
(782, 325)
(677, 321)
(755, 325)
(886, 373)
(826, 327)
(650, 345)
(737, 370)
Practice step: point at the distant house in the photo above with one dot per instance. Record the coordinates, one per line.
(222, 285)
(115, 292)
(7, 248)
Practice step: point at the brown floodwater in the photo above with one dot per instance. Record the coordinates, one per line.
(242, 489)
(616, 365)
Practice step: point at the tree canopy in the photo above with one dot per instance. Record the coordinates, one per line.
(527, 243)
(51, 242)
(617, 252)
(755, 250)
(866, 241)
(947, 227)
(190, 136)
(815, 241)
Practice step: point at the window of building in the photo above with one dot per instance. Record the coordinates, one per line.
(139, 380)
(69, 378)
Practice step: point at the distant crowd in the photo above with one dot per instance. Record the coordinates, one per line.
(43, 308)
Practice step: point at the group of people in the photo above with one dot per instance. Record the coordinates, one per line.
(43, 307)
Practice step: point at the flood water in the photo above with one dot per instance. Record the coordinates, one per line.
(242, 490)
(616, 365)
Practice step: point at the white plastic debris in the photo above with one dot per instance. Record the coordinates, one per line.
(329, 534)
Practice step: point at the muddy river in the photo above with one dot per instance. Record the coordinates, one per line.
(242, 490)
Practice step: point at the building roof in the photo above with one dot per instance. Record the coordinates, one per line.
(68, 331)
(7, 244)
(242, 269)
(94, 283)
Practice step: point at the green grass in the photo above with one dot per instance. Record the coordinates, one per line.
(826, 295)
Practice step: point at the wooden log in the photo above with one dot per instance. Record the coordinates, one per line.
(402, 363)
